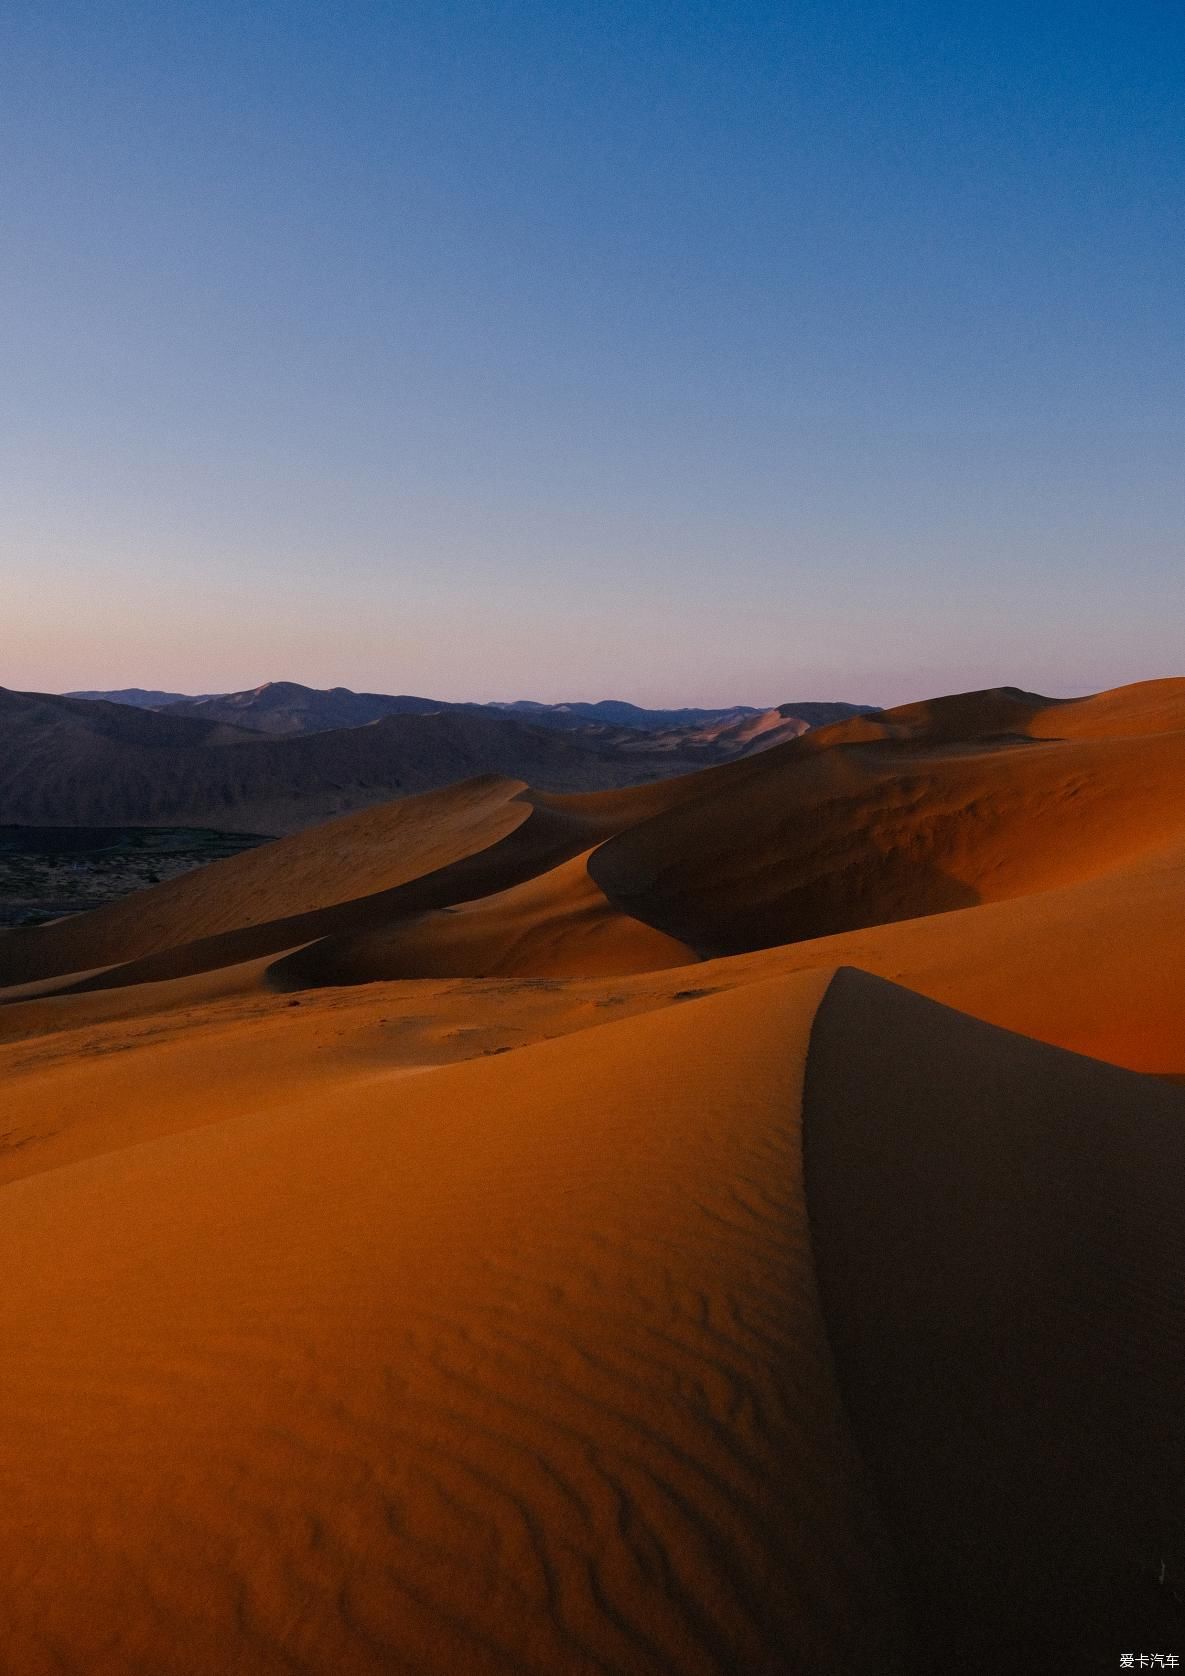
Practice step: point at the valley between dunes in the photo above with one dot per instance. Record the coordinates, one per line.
(730, 1224)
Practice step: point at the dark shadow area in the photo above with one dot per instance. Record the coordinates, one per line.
(999, 1238)
(739, 902)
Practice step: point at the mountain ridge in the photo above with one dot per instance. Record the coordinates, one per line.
(84, 762)
(285, 707)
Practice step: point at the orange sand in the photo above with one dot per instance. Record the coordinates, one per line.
(422, 1255)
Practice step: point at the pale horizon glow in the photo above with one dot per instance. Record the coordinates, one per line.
(683, 355)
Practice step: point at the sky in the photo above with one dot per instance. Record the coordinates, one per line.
(684, 353)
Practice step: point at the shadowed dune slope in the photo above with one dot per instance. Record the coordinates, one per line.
(893, 817)
(999, 1234)
(516, 1366)
(1097, 967)
(846, 837)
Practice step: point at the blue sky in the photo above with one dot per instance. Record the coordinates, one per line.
(684, 353)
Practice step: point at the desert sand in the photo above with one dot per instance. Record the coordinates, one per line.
(730, 1224)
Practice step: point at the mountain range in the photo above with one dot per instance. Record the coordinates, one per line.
(289, 707)
(284, 756)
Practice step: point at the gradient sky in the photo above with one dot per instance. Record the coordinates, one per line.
(677, 352)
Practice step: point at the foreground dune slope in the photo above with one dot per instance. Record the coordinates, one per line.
(620, 1353)
(514, 1366)
(999, 1235)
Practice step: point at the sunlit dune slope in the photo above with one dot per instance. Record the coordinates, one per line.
(1098, 966)
(512, 1366)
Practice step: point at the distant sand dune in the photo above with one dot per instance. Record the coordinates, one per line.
(831, 832)
(558, 924)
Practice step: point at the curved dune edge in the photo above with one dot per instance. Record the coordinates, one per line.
(556, 924)
(807, 843)
(517, 1366)
(366, 879)
(999, 1235)
(1096, 967)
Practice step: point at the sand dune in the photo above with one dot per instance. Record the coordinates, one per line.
(427, 1258)
(826, 834)
(1098, 967)
(467, 1372)
(354, 875)
(554, 925)
(358, 856)
(475, 1370)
